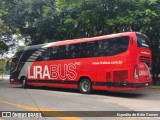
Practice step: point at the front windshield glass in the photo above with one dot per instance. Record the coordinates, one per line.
(15, 60)
(13, 64)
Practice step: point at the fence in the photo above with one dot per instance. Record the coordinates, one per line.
(3, 66)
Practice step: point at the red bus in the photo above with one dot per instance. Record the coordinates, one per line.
(112, 62)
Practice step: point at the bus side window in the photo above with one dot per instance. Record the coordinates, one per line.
(44, 55)
(73, 50)
(120, 45)
(54, 53)
(87, 49)
(97, 49)
(115, 46)
(107, 47)
(26, 55)
(62, 52)
(116, 42)
(58, 53)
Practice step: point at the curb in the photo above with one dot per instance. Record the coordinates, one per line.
(155, 87)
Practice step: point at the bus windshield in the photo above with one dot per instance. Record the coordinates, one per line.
(143, 41)
(13, 64)
(15, 60)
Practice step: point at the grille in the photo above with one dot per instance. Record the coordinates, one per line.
(146, 60)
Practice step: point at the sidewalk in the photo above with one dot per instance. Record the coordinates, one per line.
(155, 87)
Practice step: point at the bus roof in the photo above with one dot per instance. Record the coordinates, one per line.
(59, 43)
(34, 47)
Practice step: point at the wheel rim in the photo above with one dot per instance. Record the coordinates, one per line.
(85, 86)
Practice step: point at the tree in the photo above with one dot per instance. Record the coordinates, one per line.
(30, 18)
(3, 47)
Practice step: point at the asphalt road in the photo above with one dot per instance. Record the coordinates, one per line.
(15, 98)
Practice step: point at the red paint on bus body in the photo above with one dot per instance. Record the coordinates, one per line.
(125, 71)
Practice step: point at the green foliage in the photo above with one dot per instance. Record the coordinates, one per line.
(3, 68)
(3, 27)
(3, 47)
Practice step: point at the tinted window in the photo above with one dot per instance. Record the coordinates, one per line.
(73, 51)
(107, 47)
(44, 55)
(97, 49)
(53, 53)
(15, 60)
(26, 55)
(58, 52)
(142, 41)
(87, 49)
(13, 64)
(115, 46)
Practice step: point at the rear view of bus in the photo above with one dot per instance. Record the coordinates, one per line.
(127, 63)
(141, 61)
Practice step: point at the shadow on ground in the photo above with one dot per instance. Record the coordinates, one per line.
(122, 94)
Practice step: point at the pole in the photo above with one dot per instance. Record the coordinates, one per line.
(2, 62)
(2, 68)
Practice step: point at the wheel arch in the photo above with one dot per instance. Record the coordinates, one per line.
(83, 77)
(21, 78)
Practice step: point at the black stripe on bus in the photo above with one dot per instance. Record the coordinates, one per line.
(124, 85)
(54, 81)
(107, 84)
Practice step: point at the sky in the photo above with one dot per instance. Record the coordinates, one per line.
(12, 50)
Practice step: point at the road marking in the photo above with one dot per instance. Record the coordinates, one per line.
(56, 113)
(1, 118)
(42, 109)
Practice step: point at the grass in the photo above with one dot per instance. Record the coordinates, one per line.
(156, 87)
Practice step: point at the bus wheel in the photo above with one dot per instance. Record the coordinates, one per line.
(24, 82)
(85, 86)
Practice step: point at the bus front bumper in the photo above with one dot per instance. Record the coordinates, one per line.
(14, 81)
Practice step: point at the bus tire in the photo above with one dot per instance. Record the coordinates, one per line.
(85, 86)
(24, 83)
